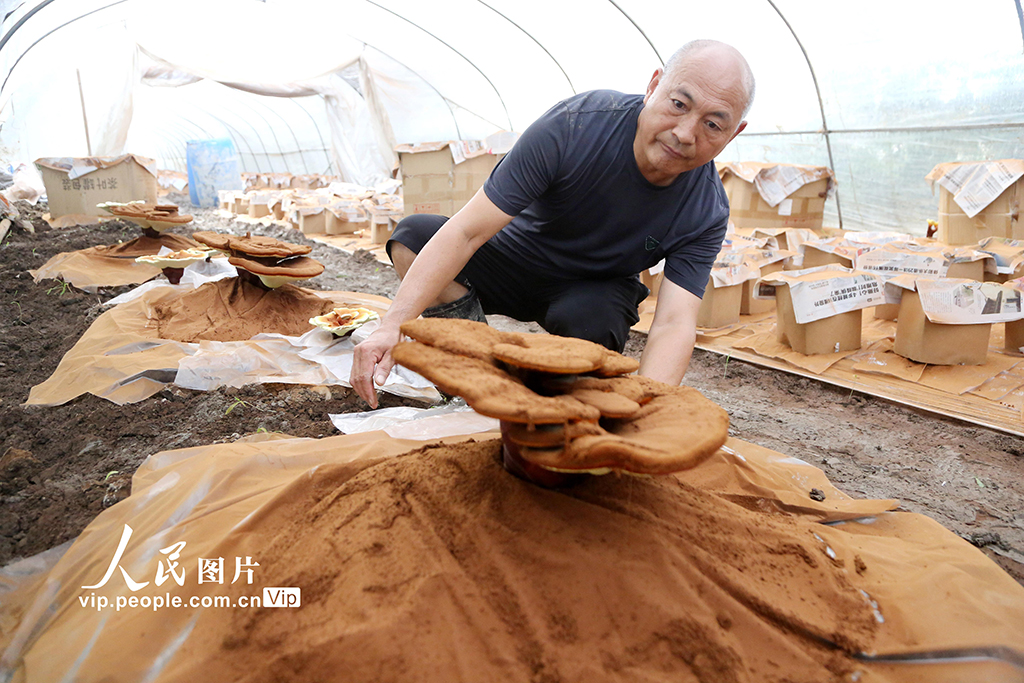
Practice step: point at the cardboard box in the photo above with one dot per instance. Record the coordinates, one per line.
(720, 306)
(335, 225)
(814, 257)
(380, 233)
(258, 210)
(432, 181)
(921, 340)
(830, 335)
(804, 208)
(1000, 218)
(77, 185)
(1014, 339)
(967, 270)
(887, 311)
(751, 306)
(313, 223)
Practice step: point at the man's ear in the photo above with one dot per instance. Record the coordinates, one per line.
(739, 129)
(653, 85)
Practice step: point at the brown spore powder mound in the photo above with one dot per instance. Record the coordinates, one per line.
(235, 310)
(439, 566)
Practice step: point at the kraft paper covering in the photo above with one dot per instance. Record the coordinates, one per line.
(933, 589)
(121, 359)
(767, 344)
(88, 271)
(91, 268)
(879, 358)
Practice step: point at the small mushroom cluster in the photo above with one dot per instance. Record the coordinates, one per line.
(152, 218)
(267, 262)
(174, 263)
(565, 405)
(344, 320)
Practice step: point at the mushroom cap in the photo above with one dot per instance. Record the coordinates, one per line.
(176, 259)
(251, 245)
(299, 268)
(342, 320)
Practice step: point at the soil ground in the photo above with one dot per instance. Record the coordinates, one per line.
(60, 466)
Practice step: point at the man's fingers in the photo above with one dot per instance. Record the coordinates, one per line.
(383, 369)
(363, 364)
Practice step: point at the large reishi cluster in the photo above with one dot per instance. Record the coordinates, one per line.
(567, 405)
(150, 217)
(271, 261)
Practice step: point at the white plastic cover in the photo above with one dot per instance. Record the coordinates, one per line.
(330, 86)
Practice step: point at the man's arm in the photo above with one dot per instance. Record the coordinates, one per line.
(672, 336)
(435, 267)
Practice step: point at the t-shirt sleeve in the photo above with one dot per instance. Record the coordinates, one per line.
(531, 165)
(689, 266)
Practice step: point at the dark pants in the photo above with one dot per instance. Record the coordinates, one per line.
(601, 311)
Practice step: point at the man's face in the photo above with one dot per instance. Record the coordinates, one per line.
(689, 116)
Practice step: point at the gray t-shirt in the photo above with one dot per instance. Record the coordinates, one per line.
(582, 209)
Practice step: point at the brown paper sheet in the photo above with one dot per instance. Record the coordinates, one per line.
(214, 497)
(88, 271)
(880, 359)
(99, 363)
(107, 265)
(959, 379)
(1001, 385)
(766, 344)
(71, 220)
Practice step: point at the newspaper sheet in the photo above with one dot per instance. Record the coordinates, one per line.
(1007, 255)
(888, 263)
(962, 302)
(840, 246)
(823, 292)
(775, 182)
(975, 186)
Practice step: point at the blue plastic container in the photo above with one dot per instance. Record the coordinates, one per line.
(212, 165)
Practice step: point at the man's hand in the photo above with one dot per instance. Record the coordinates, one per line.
(434, 268)
(372, 362)
(673, 333)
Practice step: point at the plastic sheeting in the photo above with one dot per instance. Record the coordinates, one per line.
(331, 86)
(223, 500)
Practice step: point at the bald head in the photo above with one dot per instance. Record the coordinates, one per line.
(724, 55)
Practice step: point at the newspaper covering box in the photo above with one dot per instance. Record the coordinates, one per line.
(776, 195)
(947, 321)
(76, 185)
(441, 177)
(720, 305)
(819, 309)
(933, 260)
(979, 200)
(759, 259)
(921, 340)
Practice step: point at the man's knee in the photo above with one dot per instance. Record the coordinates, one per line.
(601, 312)
(412, 233)
(600, 324)
(401, 257)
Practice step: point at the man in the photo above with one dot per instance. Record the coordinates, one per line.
(601, 187)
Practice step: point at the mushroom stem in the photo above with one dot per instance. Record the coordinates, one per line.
(251, 278)
(174, 274)
(150, 232)
(517, 465)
